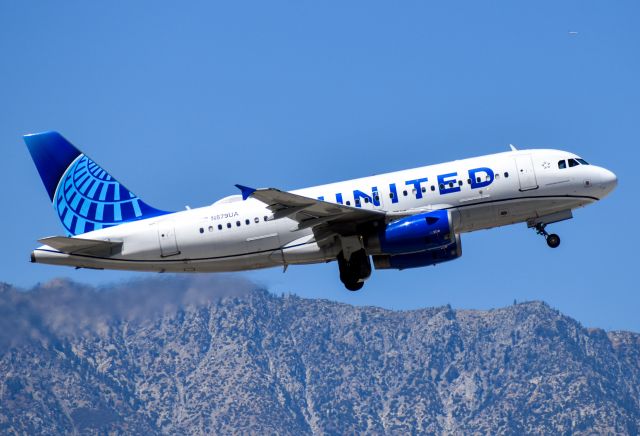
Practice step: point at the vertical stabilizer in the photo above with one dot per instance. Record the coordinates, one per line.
(83, 194)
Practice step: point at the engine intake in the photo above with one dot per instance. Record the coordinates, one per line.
(417, 233)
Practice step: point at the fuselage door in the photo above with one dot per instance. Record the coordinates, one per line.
(167, 237)
(526, 173)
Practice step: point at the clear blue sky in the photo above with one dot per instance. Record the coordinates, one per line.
(180, 100)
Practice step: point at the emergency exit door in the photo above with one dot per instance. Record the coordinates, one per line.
(526, 173)
(167, 237)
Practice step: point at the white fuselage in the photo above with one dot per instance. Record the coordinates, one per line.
(234, 234)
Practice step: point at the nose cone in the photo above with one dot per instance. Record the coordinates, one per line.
(607, 181)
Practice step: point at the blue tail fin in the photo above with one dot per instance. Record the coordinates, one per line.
(84, 195)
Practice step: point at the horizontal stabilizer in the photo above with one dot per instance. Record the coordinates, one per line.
(92, 247)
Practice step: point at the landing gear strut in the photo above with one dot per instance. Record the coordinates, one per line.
(355, 271)
(552, 239)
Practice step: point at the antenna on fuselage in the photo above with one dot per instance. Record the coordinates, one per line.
(513, 147)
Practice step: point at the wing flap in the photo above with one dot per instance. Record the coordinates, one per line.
(92, 247)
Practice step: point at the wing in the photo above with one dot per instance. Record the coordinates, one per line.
(92, 247)
(311, 213)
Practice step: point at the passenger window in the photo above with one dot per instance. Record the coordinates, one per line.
(450, 184)
(506, 175)
(391, 195)
(478, 179)
(469, 181)
(201, 230)
(433, 188)
(211, 228)
(266, 217)
(562, 164)
(348, 203)
(238, 223)
(366, 200)
(424, 189)
(573, 163)
(404, 193)
(357, 202)
(459, 182)
(247, 222)
(441, 185)
(228, 225)
(219, 226)
(256, 220)
(376, 197)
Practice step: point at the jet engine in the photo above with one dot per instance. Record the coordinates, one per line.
(414, 234)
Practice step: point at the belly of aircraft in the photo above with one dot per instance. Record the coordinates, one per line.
(501, 213)
(176, 265)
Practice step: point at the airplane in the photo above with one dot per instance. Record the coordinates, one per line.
(398, 220)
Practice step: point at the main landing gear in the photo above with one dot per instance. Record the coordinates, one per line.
(355, 271)
(552, 239)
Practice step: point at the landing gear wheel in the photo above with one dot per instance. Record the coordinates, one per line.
(354, 286)
(553, 240)
(355, 271)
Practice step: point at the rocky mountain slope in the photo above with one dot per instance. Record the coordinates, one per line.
(217, 356)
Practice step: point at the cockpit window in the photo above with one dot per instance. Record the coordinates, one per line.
(562, 164)
(573, 163)
(582, 161)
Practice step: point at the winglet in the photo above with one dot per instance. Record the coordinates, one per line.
(513, 147)
(246, 191)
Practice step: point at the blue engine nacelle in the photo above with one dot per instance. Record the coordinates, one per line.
(417, 233)
(423, 258)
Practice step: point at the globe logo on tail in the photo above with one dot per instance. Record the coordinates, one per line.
(88, 198)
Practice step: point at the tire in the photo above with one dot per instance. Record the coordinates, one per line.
(354, 286)
(553, 240)
(355, 271)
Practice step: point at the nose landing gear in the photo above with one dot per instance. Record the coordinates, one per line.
(552, 239)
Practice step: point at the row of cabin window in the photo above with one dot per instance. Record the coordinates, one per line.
(423, 189)
(441, 186)
(238, 224)
(562, 164)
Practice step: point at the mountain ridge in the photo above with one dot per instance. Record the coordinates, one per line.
(222, 355)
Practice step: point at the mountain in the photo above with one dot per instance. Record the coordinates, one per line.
(184, 356)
